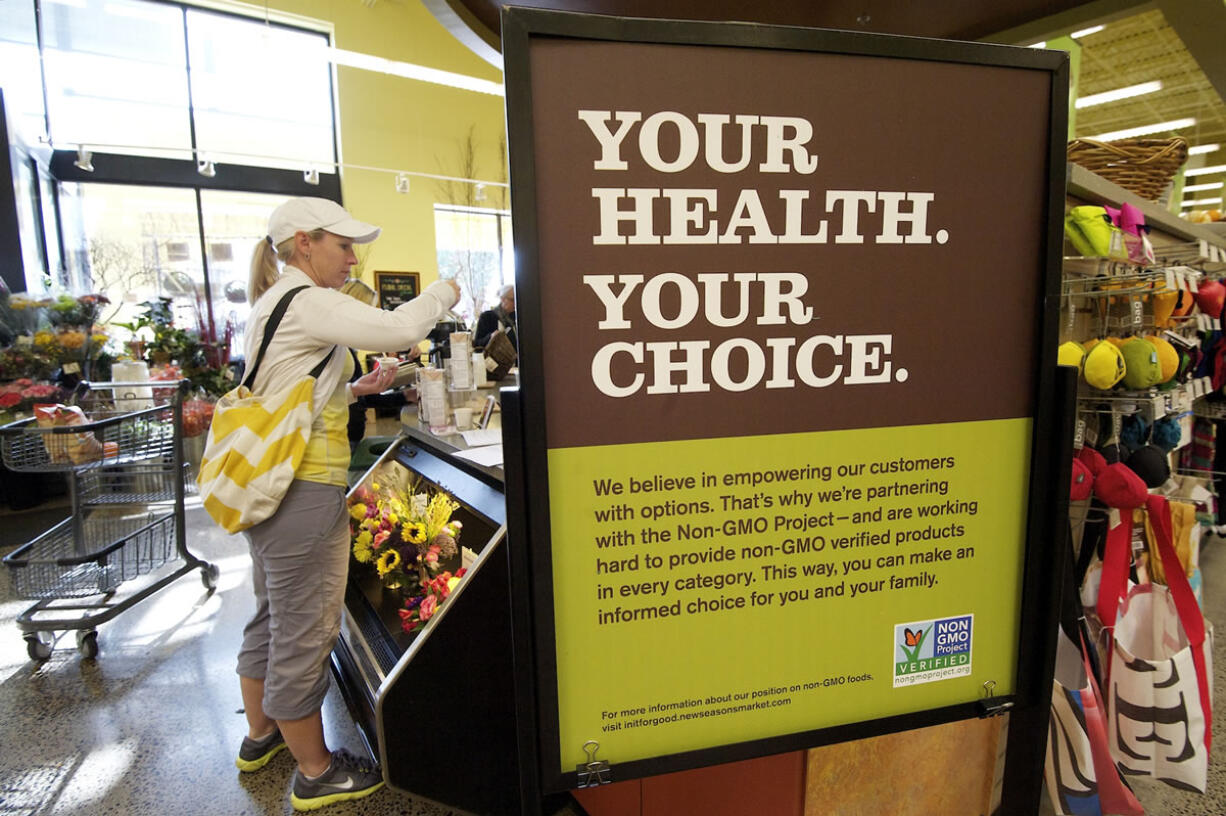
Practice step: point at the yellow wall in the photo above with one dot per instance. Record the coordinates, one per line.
(388, 121)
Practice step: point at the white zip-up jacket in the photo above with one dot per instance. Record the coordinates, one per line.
(321, 318)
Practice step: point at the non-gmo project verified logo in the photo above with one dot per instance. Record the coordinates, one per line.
(925, 651)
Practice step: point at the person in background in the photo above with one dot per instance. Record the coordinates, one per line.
(300, 555)
(356, 428)
(501, 317)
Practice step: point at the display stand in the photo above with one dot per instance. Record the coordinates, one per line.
(553, 679)
(463, 683)
(651, 405)
(449, 685)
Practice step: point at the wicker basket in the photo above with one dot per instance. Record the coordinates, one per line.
(1141, 166)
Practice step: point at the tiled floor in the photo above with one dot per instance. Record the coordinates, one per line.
(151, 726)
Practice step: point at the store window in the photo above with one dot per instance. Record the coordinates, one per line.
(474, 247)
(116, 75)
(26, 195)
(139, 244)
(20, 68)
(146, 78)
(240, 73)
(135, 245)
(138, 83)
(236, 221)
(51, 232)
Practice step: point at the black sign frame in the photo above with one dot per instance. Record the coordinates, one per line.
(529, 510)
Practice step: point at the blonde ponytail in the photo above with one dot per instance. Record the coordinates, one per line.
(265, 265)
(264, 272)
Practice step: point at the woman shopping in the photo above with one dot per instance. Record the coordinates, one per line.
(300, 555)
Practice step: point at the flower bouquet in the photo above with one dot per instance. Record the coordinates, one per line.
(17, 398)
(420, 608)
(68, 312)
(26, 361)
(26, 313)
(407, 533)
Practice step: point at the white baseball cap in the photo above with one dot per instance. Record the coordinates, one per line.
(309, 214)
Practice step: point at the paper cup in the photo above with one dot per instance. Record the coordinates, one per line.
(392, 363)
(463, 419)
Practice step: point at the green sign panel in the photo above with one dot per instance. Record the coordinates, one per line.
(707, 590)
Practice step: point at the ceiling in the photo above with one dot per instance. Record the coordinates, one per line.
(952, 19)
(1178, 42)
(1142, 48)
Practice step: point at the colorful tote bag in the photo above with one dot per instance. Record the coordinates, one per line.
(1159, 682)
(1080, 773)
(256, 442)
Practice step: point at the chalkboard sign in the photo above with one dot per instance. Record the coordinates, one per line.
(395, 288)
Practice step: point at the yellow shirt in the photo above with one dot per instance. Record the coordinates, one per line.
(327, 452)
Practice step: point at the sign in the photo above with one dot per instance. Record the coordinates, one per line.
(781, 308)
(395, 288)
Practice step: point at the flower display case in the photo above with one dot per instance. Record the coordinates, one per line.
(443, 677)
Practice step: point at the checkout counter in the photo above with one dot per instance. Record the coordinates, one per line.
(437, 706)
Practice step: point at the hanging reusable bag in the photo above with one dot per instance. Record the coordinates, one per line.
(1158, 687)
(1080, 776)
(256, 442)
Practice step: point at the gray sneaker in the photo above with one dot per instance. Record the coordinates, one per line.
(348, 777)
(254, 754)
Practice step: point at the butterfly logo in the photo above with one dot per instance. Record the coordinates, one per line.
(913, 642)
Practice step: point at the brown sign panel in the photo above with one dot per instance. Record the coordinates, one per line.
(722, 211)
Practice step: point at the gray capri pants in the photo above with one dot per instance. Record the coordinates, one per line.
(299, 565)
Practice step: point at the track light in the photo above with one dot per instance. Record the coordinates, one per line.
(1145, 130)
(1085, 32)
(402, 182)
(206, 168)
(1128, 92)
(311, 176)
(84, 159)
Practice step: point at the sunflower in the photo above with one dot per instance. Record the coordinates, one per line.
(388, 562)
(415, 532)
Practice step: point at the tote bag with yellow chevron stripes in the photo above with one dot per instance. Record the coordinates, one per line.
(256, 442)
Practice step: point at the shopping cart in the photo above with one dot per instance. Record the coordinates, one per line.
(126, 484)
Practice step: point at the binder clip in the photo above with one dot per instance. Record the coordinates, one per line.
(595, 771)
(990, 705)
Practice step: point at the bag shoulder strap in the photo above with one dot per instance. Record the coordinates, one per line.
(1113, 582)
(1190, 615)
(319, 367)
(270, 328)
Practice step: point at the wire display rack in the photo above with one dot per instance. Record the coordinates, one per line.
(126, 481)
